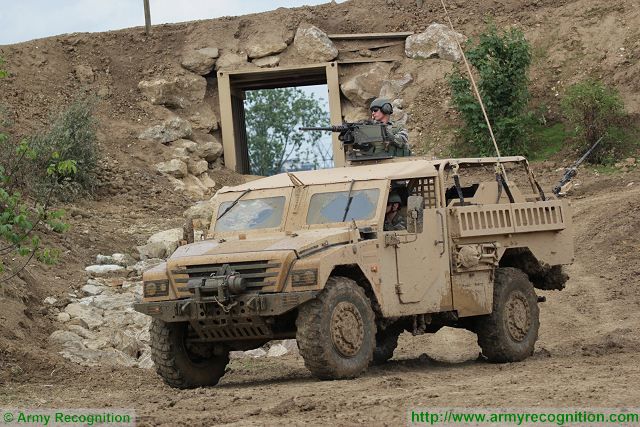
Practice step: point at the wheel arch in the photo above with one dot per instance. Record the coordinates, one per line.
(354, 272)
(542, 275)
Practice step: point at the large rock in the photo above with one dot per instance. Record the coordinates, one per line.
(64, 338)
(231, 61)
(262, 48)
(152, 251)
(198, 167)
(145, 264)
(351, 113)
(120, 302)
(106, 270)
(91, 316)
(206, 180)
(200, 61)
(179, 92)
(188, 145)
(267, 61)
(365, 83)
(202, 211)
(170, 130)
(209, 148)
(391, 88)
(202, 117)
(194, 186)
(437, 41)
(124, 260)
(314, 45)
(169, 238)
(174, 167)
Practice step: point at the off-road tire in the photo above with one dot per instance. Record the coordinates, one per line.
(386, 344)
(174, 363)
(337, 331)
(510, 332)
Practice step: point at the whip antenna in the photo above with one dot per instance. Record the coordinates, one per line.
(476, 92)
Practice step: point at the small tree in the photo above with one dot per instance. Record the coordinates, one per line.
(272, 118)
(22, 215)
(502, 61)
(594, 110)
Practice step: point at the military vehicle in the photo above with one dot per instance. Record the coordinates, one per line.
(305, 255)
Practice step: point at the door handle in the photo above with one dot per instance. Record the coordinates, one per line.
(438, 242)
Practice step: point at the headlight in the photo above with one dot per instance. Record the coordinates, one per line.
(156, 288)
(307, 277)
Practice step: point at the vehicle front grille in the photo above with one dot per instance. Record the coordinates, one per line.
(257, 274)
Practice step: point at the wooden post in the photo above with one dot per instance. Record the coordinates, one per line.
(147, 17)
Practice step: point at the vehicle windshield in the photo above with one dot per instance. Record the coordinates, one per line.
(251, 214)
(326, 208)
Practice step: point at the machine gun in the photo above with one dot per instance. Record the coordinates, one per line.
(569, 173)
(360, 140)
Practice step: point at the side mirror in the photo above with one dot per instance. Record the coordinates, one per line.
(415, 210)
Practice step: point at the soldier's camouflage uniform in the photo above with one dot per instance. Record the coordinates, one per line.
(396, 223)
(399, 144)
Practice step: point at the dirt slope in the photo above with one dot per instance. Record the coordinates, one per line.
(588, 353)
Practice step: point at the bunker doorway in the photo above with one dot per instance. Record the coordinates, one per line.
(231, 89)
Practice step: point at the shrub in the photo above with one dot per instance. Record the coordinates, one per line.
(24, 215)
(502, 61)
(594, 110)
(71, 137)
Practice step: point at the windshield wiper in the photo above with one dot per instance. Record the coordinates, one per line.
(349, 199)
(235, 202)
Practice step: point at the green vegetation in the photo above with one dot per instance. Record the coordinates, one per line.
(594, 110)
(546, 140)
(33, 172)
(71, 137)
(272, 118)
(502, 61)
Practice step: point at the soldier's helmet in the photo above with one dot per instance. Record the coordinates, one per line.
(383, 104)
(394, 198)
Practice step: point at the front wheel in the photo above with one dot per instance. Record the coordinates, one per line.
(510, 332)
(336, 331)
(181, 363)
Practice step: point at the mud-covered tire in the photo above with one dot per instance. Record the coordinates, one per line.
(336, 331)
(386, 344)
(177, 366)
(510, 332)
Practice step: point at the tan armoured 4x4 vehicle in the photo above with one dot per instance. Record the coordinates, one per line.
(304, 255)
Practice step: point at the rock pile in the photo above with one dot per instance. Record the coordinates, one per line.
(100, 327)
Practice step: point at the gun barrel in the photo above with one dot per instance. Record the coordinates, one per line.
(341, 128)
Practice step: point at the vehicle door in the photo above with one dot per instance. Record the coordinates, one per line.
(417, 264)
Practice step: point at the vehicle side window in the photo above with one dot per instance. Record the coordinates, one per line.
(425, 187)
(326, 208)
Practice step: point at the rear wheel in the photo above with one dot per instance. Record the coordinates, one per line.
(510, 332)
(181, 363)
(336, 331)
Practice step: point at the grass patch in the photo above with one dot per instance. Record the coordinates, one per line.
(546, 141)
(606, 169)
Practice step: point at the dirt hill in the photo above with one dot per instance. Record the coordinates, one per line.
(590, 338)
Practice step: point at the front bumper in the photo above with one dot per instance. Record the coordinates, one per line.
(242, 307)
